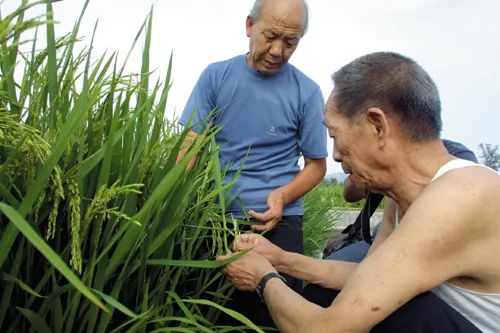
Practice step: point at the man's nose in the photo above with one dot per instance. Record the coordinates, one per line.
(336, 155)
(276, 49)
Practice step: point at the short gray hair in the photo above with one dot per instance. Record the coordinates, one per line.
(396, 83)
(257, 7)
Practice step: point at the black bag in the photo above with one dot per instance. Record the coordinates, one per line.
(357, 231)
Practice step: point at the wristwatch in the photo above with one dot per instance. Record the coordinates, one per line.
(262, 284)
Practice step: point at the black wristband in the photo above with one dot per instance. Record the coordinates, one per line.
(262, 284)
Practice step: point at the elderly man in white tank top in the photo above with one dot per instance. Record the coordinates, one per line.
(438, 270)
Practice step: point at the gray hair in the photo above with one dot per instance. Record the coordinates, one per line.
(395, 83)
(257, 7)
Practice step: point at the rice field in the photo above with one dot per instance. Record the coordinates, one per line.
(101, 229)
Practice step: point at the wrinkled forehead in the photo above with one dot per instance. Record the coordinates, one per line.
(331, 113)
(335, 121)
(290, 15)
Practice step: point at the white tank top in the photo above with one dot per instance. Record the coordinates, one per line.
(481, 309)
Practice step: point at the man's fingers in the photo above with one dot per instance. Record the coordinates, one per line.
(248, 238)
(263, 217)
(245, 241)
(255, 215)
(223, 268)
(239, 246)
(269, 225)
(260, 227)
(224, 257)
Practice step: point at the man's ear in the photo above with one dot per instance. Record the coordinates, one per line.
(249, 25)
(378, 121)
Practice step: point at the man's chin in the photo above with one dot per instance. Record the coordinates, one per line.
(357, 180)
(268, 71)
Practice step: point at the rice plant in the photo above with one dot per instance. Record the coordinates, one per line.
(100, 229)
(320, 218)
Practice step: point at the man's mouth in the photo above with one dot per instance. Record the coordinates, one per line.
(346, 170)
(271, 64)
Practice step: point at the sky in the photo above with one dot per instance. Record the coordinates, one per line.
(456, 41)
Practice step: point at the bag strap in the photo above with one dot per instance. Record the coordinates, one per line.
(371, 204)
(360, 229)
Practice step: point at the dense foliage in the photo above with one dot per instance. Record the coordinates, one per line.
(320, 218)
(100, 228)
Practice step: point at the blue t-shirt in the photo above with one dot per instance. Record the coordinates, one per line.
(459, 150)
(267, 123)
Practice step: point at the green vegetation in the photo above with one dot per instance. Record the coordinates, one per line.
(335, 192)
(322, 211)
(100, 229)
(319, 218)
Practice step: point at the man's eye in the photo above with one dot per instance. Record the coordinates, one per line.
(269, 36)
(292, 41)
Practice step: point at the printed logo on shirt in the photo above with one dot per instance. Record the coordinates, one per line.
(272, 131)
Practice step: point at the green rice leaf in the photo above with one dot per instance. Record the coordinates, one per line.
(21, 284)
(37, 322)
(244, 320)
(51, 60)
(195, 263)
(117, 305)
(37, 241)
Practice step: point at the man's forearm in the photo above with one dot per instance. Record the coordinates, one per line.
(312, 173)
(292, 313)
(186, 144)
(330, 274)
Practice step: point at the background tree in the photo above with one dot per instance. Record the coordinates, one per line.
(490, 156)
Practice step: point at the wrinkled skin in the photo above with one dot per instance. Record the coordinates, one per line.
(275, 35)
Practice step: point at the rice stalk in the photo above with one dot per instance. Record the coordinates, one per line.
(88, 160)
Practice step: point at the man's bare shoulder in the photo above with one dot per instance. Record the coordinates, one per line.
(473, 184)
(460, 206)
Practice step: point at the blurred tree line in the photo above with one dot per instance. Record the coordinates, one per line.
(490, 155)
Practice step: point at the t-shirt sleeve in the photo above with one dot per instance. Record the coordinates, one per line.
(459, 150)
(200, 103)
(312, 130)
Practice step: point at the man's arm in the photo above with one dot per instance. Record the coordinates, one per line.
(326, 273)
(188, 141)
(313, 172)
(426, 250)
(330, 274)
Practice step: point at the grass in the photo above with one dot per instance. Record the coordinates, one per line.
(320, 218)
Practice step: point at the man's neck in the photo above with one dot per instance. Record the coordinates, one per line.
(414, 173)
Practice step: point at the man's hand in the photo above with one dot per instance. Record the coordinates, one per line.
(313, 172)
(259, 244)
(247, 271)
(353, 191)
(276, 203)
(188, 142)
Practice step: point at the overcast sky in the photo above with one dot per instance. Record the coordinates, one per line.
(456, 41)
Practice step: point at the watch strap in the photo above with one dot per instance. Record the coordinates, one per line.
(262, 284)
